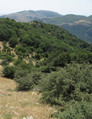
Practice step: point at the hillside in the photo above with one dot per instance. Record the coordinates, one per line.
(34, 42)
(80, 26)
(37, 40)
(49, 65)
(82, 30)
(30, 15)
(68, 19)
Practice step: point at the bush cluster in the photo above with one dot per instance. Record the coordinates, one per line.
(75, 110)
(71, 88)
(25, 81)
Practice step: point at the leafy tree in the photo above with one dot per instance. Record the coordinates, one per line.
(13, 41)
(4, 33)
(21, 51)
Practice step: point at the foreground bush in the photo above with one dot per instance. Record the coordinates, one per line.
(67, 83)
(71, 89)
(75, 110)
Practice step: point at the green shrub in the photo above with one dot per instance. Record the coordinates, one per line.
(20, 73)
(9, 71)
(13, 41)
(23, 65)
(24, 83)
(20, 50)
(75, 110)
(5, 62)
(27, 82)
(6, 59)
(67, 83)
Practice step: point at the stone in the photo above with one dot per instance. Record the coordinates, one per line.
(24, 118)
(28, 117)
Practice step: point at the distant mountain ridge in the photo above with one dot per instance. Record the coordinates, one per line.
(30, 15)
(70, 18)
(78, 25)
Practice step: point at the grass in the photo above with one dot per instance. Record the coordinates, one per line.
(16, 105)
(7, 116)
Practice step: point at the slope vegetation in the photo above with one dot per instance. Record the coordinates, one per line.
(34, 42)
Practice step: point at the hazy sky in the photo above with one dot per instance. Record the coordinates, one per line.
(81, 7)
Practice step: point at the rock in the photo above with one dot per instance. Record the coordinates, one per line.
(28, 117)
(24, 118)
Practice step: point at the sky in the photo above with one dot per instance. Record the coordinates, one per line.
(79, 7)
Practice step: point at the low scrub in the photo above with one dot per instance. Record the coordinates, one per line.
(9, 71)
(67, 83)
(71, 89)
(26, 81)
(75, 110)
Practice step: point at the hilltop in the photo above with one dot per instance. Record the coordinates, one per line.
(31, 15)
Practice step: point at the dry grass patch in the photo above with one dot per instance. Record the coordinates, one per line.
(16, 105)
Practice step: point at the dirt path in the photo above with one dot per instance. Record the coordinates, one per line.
(16, 105)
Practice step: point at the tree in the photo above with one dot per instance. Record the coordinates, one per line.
(13, 41)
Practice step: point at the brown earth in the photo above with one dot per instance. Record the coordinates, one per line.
(16, 105)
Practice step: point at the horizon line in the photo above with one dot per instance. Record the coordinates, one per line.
(2, 14)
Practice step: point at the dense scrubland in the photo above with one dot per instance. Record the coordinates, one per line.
(51, 61)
